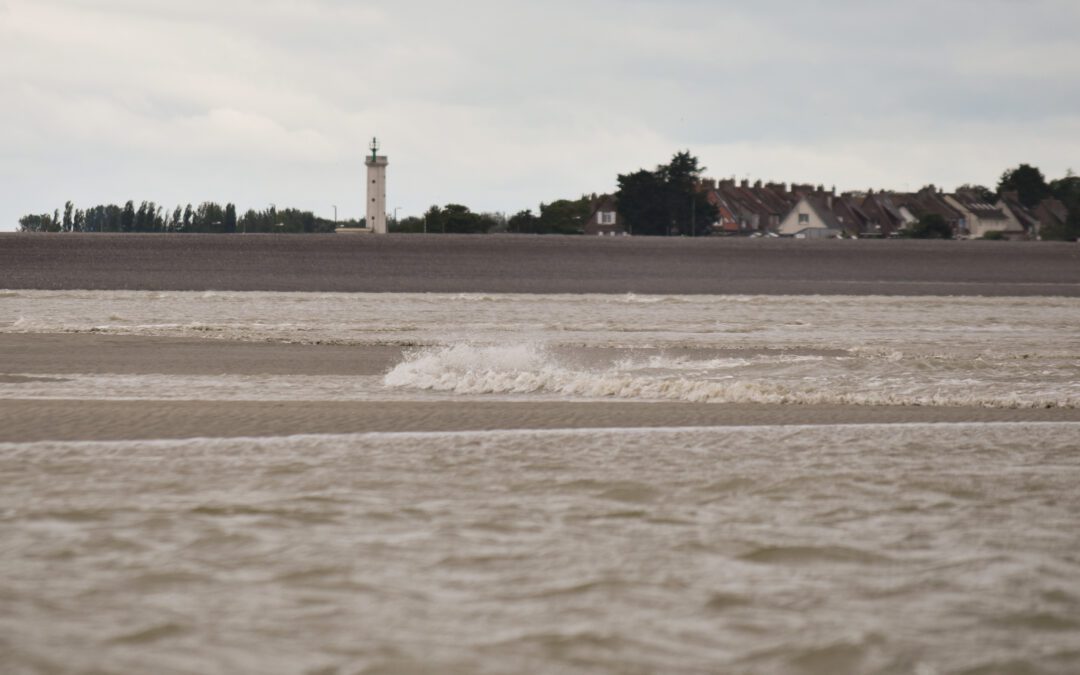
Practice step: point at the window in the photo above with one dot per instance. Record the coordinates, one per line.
(804, 218)
(606, 218)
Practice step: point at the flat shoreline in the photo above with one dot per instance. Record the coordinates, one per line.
(536, 264)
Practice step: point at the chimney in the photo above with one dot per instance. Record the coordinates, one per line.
(821, 188)
(757, 185)
(744, 183)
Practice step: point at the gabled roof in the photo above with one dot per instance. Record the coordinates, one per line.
(822, 210)
(927, 201)
(1028, 220)
(979, 208)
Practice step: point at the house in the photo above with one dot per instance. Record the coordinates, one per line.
(979, 217)
(884, 217)
(757, 208)
(1010, 204)
(811, 218)
(1052, 215)
(604, 218)
(913, 206)
(851, 218)
(727, 220)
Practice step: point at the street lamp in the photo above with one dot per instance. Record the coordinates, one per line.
(335, 213)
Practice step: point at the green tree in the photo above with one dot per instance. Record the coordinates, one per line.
(230, 217)
(563, 216)
(410, 225)
(931, 226)
(458, 219)
(127, 218)
(980, 192)
(1067, 191)
(143, 217)
(69, 224)
(666, 201)
(38, 223)
(523, 222)
(114, 218)
(642, 201)
(1028, 182)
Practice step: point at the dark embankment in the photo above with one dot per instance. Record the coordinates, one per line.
(531, 264)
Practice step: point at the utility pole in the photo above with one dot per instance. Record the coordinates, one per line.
(335, 213)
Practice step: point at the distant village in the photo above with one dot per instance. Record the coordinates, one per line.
(671, 200)
(814, 212)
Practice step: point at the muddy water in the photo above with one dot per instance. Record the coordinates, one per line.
(832, 549)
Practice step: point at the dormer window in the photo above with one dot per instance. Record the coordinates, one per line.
(606, 217)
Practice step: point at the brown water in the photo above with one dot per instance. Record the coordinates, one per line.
(906, 548)
(835, 549)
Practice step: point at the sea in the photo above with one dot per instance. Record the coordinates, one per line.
(833, 547)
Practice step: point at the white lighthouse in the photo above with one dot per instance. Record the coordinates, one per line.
(376, 189)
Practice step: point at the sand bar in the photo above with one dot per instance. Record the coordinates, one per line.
(39, 420)
(29, 357)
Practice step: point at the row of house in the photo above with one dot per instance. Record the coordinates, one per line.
(808, 212)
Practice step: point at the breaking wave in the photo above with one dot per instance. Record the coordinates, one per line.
(849, 380)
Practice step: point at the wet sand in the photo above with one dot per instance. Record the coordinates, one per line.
(60, 420)
(28, 357)
(536, 264)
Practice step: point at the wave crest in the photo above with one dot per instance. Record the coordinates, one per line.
(778, 379)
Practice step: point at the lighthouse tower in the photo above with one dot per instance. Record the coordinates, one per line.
(376, 189)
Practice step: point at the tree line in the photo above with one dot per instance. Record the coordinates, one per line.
(208, 217)
(665, 201)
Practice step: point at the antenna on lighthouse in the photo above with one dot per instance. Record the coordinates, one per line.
(374, 148)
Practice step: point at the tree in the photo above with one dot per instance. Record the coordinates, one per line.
(410, 225)
(563, 216)
(189, 217)
(1028, 182)
(230, 217)
(666, 201)
(459, 219)
(37, 223)
(523, 222)
(931, 226)
(127, 218)
(980, 192)
(69, 225)
(142, 217)
(643, 202)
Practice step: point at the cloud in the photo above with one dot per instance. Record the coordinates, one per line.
(502, 105)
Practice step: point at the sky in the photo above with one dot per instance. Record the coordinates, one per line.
(503, 104)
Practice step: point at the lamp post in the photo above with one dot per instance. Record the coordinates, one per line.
(335, 213)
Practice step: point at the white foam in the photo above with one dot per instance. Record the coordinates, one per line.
(530, 369)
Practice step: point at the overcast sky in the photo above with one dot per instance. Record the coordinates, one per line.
(503, 104)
